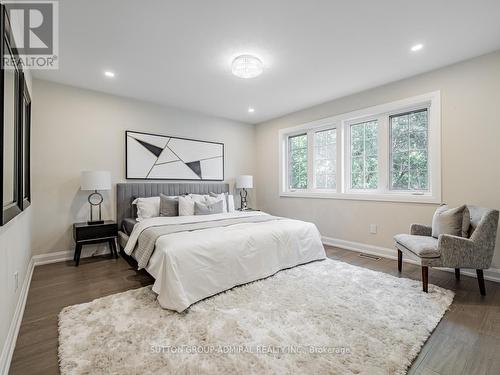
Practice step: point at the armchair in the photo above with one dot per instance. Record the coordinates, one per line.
(474, 252)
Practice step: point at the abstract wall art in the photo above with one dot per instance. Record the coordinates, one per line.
(160, 157)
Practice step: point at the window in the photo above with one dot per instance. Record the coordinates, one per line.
(325, 158)
(364, 155)
(389, 152)
(297, 156)
(409, 152)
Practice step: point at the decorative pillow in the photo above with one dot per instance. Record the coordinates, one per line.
(169, 206)
(199, 197)
(208, 208)
(454, 221)
(466, 223)
(218, 197)
(147, 207)
(186, 203)
(228, 201)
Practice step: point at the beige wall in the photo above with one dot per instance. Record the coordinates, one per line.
(76, 129)
(470, 105)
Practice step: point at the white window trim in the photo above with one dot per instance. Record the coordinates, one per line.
(432, 101)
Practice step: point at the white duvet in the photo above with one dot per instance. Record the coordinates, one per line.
(192, 265)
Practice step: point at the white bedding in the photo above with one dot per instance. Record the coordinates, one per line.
(191, 265)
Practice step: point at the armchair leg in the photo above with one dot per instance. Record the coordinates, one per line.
(480, 280)
(400, 260)
(425, 278)
(457, 273)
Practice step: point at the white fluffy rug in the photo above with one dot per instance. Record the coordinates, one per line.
(326, 317)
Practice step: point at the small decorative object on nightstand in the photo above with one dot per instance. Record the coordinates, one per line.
(87, 234)
(244, 182)
(95, 180)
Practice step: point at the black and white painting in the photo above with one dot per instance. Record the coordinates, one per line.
(158, 157)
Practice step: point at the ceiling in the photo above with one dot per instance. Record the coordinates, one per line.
(179, 52)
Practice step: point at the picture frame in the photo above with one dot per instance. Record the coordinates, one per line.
(10, 131)
(151, 156)
(15, 128)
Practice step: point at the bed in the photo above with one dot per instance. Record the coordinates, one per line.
(195, 257)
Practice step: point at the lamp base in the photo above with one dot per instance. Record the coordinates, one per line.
(95, 222)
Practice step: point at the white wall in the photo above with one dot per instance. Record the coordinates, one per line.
(76, 129)
(470, 99)
(15, 254)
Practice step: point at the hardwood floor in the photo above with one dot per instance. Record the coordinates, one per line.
(466, 341)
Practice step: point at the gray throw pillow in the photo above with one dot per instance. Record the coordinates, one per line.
(208, 209)
(169, 206)
(454, 221)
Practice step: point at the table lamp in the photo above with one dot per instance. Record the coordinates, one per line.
(244, 182)
(95, 180)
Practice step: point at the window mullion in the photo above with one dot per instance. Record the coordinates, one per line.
(310, 160)
(383, 153)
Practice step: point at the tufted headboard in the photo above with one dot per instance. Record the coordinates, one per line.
(127, 192)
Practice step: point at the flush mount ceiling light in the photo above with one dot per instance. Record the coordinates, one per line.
(247, 66)
(417, 47)
(109, 74)
(251, 110)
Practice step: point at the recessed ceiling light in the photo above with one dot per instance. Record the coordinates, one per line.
(109, 74)
(417, 47)
(247, 66)
(251, 110)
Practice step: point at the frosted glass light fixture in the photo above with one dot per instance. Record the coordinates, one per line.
(247, 66)
(417, 47)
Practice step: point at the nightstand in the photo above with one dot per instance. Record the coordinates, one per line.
(87, 234)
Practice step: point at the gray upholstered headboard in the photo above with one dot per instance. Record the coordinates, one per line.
(127, 192)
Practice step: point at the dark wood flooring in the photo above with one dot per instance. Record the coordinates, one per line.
(466, 341)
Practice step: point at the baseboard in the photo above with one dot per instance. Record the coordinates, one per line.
(10, 342)
(491, 274)
(62, 256)
(37, 260)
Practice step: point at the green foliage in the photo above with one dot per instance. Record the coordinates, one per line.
(297, 146)
(409, 151)
(364, 158)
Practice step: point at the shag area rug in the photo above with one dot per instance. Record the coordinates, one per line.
(326, 317)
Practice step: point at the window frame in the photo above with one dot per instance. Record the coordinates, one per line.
(391, 151)
(381, 113)
(297, 134)
(347, 168)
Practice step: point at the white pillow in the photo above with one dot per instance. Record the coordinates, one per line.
(186, 203)
(213, 198)
(199, 198)
(230, 203)
(147, 207)
(227, 198)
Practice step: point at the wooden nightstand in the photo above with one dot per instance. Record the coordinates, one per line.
(85, 234)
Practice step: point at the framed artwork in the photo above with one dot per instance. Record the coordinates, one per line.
(26, 143)
(11, 133)
(161, 157)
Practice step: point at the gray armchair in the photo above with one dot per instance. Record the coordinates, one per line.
(474, 252)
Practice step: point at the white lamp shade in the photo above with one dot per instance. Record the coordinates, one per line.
(244, 182)
(96, 180)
